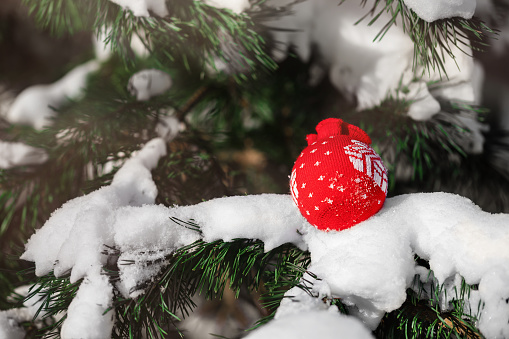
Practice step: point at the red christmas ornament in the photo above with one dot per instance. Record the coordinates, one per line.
(338, 180)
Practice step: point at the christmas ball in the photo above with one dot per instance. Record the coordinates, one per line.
(338, 180)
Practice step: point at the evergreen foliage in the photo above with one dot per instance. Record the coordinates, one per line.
(259, 103)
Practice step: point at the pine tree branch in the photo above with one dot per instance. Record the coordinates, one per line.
(433, 41)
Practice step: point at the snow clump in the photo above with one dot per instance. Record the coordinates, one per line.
(148, 83)
(142, 7)
(13, 154)
(432, 10)
(73, 240)
(35, 106)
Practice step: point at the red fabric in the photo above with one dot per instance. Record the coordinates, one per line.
(338, 180)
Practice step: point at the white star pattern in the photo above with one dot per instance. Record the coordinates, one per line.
(313, 151)
(321, 177)
(331, 186)
(310, 195)
(323, 143)
(303, 185)
(317, 163)
(316, 208)
(302, 165)
(328, 153)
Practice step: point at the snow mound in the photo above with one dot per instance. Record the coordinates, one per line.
(323, 324)
(371, 265)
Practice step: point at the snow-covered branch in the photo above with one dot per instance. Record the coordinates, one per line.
(370, 266)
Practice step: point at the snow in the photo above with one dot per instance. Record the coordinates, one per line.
(266, 217)
(9, 328)
(14, 154)
(87, 317)
(433, 10)
(103, 51)
(369, 266)
(10, 319)
(363, 70)
(301, 315)
(323, 324)
(448, 230)
(169, 126)
(236, 6)
(73, 239)
(142, 7)
(148, 83)
(158, 7)
(138, 229)
(35, 105)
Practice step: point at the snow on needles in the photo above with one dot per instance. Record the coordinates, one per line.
(14, 154)
(432, 10)
(366, 71)
(35, 106)
(158, 7)
(72, 240)
(370, 266)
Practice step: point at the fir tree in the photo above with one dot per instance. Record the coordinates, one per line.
(169, 105)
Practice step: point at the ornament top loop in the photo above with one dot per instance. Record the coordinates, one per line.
(332, 127)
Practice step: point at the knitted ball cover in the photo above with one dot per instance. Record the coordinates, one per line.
(338, 180)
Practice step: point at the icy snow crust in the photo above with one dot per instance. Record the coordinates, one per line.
(369, 266)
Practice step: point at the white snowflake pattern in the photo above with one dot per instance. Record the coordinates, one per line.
(321, 178)
(317, 163)
(314, 150)
(293, 186)
(310, 195)
(302, 165)
(328, 153)
(365, 159)
(331, 186)
(317, 208)
(303, 185)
